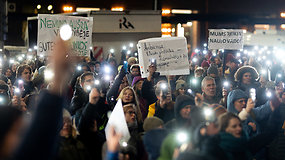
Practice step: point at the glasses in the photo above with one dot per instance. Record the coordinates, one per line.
(131, 112)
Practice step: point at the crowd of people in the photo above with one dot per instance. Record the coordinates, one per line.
(58, 107)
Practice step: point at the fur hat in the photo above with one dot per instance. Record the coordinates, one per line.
(244, 69)
(180, 84)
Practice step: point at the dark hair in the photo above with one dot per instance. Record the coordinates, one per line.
(21, 69)
(82, 77)
(224, 120)
(135, 66)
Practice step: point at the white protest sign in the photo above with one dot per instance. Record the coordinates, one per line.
(225, 39)
(49, 27)
(118, 121)
(170, 54)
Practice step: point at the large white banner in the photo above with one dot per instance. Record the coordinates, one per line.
(225, 39)
(170, 54)
(48, 30)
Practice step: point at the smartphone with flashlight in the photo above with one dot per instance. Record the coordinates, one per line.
(125, 66)
(153, 62)
(252, 94)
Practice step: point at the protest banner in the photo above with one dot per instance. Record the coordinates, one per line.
(49, 27)
(225, 39)
(118, 121)
(169, 53)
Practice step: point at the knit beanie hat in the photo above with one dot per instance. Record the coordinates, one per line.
(152, 123)
(136, 80)
(213, 70)
(180, 84)
(205, 64)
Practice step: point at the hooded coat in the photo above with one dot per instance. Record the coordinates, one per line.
(257, 114)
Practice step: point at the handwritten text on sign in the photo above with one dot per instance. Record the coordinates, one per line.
(48, 30)
(225, 39)
(169, 53)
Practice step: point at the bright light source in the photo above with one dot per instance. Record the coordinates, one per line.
(67, 8)
(39, 6)
(279, 75)
(97, 82)
(165, 12)
(124, 47)
(1, 100)
(17, 90)
(131, 45)
(23, 55)
(163, 86)
(129, 52)
(190, 91)
(255, 47)
(65, 32)
(30, 50)
(12, 61)
(112, 50)
(205, 51)
(79, 68)
(124, 144)
(107, 77)
(41, 56)
(182, 137)
(252, 93)
(29, 57)
(117, 9)
(205, 44)
(244, 31)
(107, 69)
(194, 59)
(282, 14)
(194, 81)
(20, 81)
(136, 54)
(48, 74)
(91, 48)
(181, 11)
(268, 62)
(196, 50)
(153, 60)
(189, 24)
(84, 9)
(49, 7)
(282, 26)
(263, 71)
(1, 50)
(268, 94)
(226, 84)
(208, 112)
(238, 54)
(88, 88)
(20, 58)
(35, 47)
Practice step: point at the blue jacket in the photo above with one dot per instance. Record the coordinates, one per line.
(257, 114)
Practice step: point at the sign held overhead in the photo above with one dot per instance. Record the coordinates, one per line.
(168, 53)
(50, 27)
(225, 39)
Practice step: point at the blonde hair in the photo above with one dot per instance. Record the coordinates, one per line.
(135, 101)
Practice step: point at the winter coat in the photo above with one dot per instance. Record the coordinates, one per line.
(78, 101)
(93, 140)
(225, 146)
(166, 114)
(72, 149)
(257, 114)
